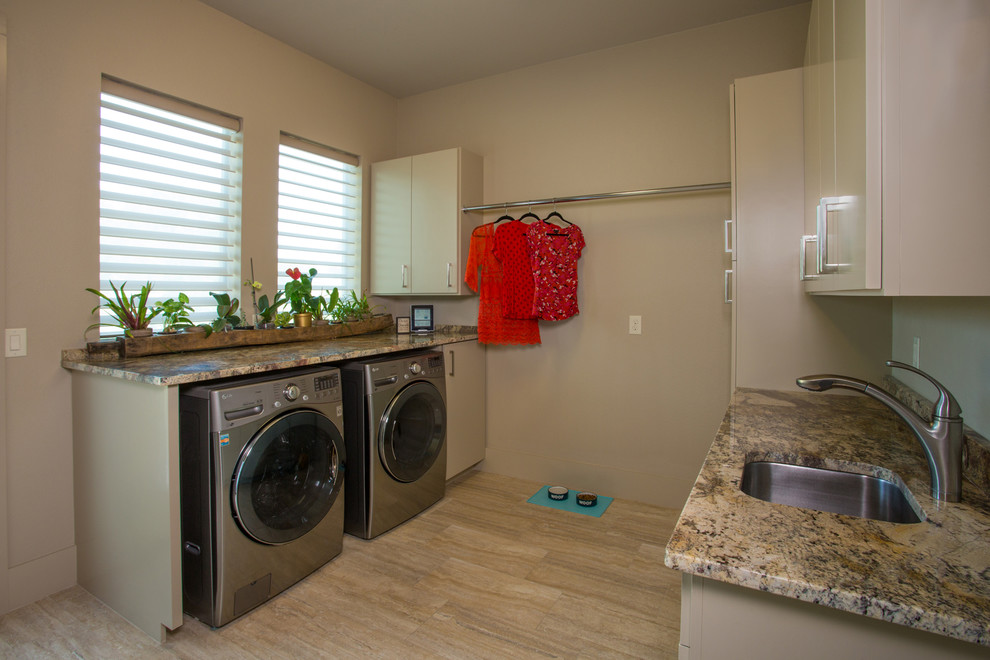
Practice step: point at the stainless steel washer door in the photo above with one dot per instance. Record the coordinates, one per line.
(287, 477)
(412, 430)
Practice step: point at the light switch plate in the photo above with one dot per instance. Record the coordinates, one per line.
(15, 342)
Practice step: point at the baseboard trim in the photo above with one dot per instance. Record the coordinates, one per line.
(651, 488)
(33, 580)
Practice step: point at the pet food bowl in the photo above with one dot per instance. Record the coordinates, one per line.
(587, 499)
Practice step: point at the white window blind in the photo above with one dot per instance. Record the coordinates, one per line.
(319, 214)
(169, 197)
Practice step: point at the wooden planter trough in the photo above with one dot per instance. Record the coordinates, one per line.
(196, 341)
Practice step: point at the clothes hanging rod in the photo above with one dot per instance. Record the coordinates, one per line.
(611, 195)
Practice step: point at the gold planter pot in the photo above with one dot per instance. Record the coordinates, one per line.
(303, 320)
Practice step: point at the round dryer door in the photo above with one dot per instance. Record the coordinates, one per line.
(287, 477)
(412, 431)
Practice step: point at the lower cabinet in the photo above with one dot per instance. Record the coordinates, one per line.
(720, 620)
(465, 385)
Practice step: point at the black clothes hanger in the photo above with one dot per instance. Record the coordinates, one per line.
(554, 214)
(557, 215)
(506, 215)
(529, 214)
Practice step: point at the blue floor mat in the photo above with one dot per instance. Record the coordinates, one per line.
(570, 504)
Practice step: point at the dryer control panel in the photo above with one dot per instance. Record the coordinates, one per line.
(398, 371)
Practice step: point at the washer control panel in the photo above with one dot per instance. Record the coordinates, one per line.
(240, 404)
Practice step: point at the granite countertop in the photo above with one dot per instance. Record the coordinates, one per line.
(195, 366)
(934, 575)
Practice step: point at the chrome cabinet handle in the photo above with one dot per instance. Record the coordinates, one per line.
(405, 270)
(451, 362)
(803, 259)
(728, 233)
(726, 289)
(449, 267)
(825, 205)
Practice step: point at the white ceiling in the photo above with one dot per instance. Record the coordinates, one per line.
(405, 47)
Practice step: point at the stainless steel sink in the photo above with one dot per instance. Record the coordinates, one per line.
(820, 489)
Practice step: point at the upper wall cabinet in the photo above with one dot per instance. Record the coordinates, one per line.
(897, 147)
(419, 237)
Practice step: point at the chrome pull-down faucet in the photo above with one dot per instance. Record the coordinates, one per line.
(941, 439)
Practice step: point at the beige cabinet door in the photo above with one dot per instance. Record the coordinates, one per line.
(842, 145)
(391, 218)
(435, 219)
(465, 387)
(936, 73)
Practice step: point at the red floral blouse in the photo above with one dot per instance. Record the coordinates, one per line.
(554, 253)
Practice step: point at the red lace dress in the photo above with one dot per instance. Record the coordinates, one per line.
(493, 328)
(554, 252)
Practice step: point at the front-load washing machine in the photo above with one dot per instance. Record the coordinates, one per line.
(395, 421)
(261, 487)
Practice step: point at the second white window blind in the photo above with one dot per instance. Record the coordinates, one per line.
(319, 214)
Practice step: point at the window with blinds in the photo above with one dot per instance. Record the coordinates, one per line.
(169, 197)
(319, 214)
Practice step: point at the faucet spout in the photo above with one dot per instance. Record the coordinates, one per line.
(941, 439)
(824, 382)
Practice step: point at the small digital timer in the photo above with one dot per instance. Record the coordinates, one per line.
(422, 318)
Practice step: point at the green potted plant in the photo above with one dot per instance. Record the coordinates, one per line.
(268, 312)
(361, 307)
(132, 314)
(322, 308)
(299, 290)
(175, 314)
(343, 311)
(227, 317)
(282, 319)
(315, 306)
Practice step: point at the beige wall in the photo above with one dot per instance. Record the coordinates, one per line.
(954, 349)
(58, 50)
(3, 318)
(594, 407)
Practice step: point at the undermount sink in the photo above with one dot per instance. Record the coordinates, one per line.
(834, 491)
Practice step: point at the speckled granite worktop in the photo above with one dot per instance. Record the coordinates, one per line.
(934, 575)
(198, 366)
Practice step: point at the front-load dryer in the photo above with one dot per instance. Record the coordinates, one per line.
(261, 492)
(395, 421)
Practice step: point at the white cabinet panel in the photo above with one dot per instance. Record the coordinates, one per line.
(720, 620)
(391, 203)
(419, 237)
(465, 385)
(434, 201)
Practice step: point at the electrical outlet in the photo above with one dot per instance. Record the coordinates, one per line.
(635, 325)
(15, 344)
